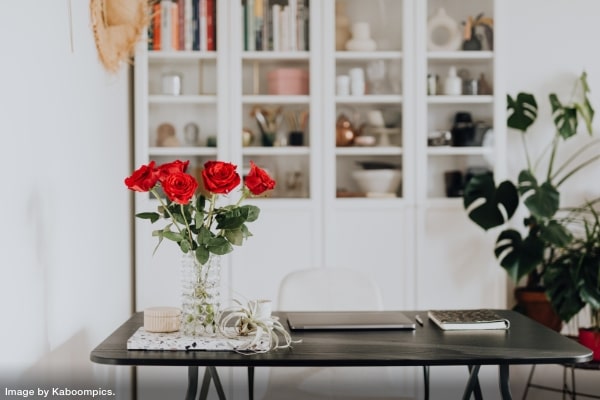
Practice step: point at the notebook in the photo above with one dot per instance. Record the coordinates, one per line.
(468, 319)
(315, 320)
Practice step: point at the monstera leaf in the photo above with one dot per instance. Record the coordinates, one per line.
(518, 256)
(487, 205)
(541, 200)
(522, 111)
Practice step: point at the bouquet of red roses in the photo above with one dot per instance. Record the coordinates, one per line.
(196, 223)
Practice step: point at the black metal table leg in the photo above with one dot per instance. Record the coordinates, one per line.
(205, 385)
(426, 381)
(192, 383)
(504, 382)
(217, 382)
(472, 382)
(250, 383)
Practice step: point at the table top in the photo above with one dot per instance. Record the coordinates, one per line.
(526, 342)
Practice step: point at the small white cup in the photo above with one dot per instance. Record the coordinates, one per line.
(342, 85)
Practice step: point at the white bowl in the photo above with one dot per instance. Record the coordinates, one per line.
(378, 180)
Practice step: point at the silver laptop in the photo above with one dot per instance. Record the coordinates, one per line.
(315, 320)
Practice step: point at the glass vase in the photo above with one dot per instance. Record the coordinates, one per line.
(200, 295)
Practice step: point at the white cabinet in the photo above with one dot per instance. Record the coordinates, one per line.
(319, 215)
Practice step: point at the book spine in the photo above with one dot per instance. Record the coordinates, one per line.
(189, 26)
(174, 26)
(292, 28)
(195, 26)
(181, 25)
(276, 29)
(166, 29)
(203, 25)
(258, 24)
(306, 25)
(251, 30)
(156, 40)
(210, 25)
(300, 25)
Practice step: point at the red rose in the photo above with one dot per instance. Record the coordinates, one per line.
(143, 179)
(179, 187)
(258, 181)
(220, 177)
(167, 169)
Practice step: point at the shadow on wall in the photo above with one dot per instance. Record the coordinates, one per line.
(67, 371)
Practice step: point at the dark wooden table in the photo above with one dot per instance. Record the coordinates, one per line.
(526, 342)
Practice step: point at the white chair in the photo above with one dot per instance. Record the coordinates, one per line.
(331, 289)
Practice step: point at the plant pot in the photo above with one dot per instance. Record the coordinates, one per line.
(535, 304)
(590, 338)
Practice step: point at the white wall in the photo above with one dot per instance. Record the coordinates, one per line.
(548, 44)
(65, 242)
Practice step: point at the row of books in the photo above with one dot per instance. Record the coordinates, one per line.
(277, 25)
(183, 25)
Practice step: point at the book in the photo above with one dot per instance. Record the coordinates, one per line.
(468, 319)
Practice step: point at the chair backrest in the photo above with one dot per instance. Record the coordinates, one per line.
(329, 289)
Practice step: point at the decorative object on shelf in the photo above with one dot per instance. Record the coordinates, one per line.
(165, 136)
(376, 71)
(202, 230)
(342, 85)
(247, 137)
(454, 183)
(432, 84)
(357, 81)
(117, 26)
(463, 130)
(297, 123)
(483, 86)
(443, 32)
(344, 131)
(378, 181)
(361, 38)
(171, 84)
(255, 319)
(453, 83)
(288, 81)
(342, 26)
(269, 121)
(439, 138)
(553, 255)
(478, 33)
(211, 141)
(191, 133)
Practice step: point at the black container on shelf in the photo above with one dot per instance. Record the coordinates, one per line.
(463, 130)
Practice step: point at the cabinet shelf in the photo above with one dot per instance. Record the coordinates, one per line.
(182, 99)
(460, 55)
(182, 151)
(458, 151)
(462, 99)
(367, 55)
(370, 99)
(181, 55)
(369, 151)
(275, 56)
(275, 99)
(276, 151)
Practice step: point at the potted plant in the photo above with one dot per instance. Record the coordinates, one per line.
(545, 229)
(572, 280)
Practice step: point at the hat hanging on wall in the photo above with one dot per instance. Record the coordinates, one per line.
(118, 26)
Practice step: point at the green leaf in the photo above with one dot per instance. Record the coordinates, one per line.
(253, 213)
(565, 118)
(555, 233)
(152, 216)
(517, 256)
(219, 245)
(185, 245)
(487, 205)
(522, 111)
(562, 288)
(232, 218)
(204, 235)
(235, 236)
(202, 254)
(542, 201)
(174, 236)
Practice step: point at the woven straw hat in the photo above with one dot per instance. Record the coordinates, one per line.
(117, 25)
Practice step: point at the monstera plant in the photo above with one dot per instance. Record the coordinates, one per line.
(548, 229)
